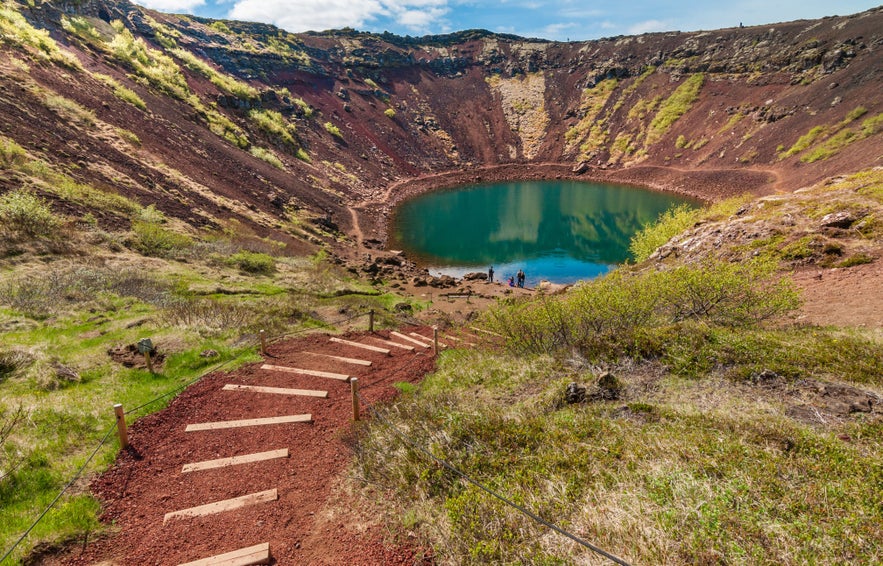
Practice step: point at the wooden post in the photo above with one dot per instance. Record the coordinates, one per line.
(435, 340)
(371, 320)
(121, 426)
(149, 363)
(354, 385)
(263, 342)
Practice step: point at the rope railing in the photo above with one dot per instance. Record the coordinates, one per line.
(169, 393)
(58, 497)
(448, 466)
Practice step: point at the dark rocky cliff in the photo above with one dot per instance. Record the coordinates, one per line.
(793, 102)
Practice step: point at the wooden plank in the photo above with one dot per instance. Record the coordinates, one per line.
(440, 343)
(312, 372)
(235, 460)
(249, 556)
(250, 422)
(391, 343)
(409, 339)
(276, 390)
(225, 505)
(355, 361)
(454, 338)
(359, 345)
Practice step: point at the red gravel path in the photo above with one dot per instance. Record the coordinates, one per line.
(146, 482)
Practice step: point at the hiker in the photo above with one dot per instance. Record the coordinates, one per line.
(490, 274)
(520, 278)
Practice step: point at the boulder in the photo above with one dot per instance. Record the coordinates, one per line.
(841, 219)
(475, 276)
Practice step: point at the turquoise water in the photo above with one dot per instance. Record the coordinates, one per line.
(559, 231)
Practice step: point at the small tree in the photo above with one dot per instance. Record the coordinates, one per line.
(22, 213)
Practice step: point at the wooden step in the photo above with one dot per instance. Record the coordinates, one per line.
(355, 361)
(488, 332)
(276, 390)
(235, 460)
(440, 343)
(249, 556)
(225, 505)
(391, 343)
(359, 345)
(409, 339)
(312, 372)
(249, 422)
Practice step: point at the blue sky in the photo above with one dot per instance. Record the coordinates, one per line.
(550, 19)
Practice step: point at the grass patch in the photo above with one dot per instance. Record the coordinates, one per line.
(223, 81)
(333, 130)
(127, 95)
(268, 156)
(274, 124)
(675, 106)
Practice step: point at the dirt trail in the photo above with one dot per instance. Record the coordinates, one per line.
(302, 526)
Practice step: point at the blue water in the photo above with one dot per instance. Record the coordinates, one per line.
(557, 231)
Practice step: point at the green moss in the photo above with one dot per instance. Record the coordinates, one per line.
(675, 106)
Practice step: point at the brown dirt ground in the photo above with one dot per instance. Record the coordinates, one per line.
(303, 526)
(842, 297)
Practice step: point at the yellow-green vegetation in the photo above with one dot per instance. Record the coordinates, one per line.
(731, 123)
(828, 140)
(696, 448)
(267, 155)
(333, 130)
(125, 94)
(68, 109)
(592, 102)
(223, 81)
(390, 113)
(17, 31)
(308, 112)
(129, 136)
(38, 174)
(157, 68)
(275, 124)
(25, 215)
(675, 106)
(675, 221)
(59, 318)
(627, 91)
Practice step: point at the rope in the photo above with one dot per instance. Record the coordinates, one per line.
(492, 493)
(62, 492)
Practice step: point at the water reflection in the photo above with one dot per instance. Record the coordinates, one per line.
(560, 231)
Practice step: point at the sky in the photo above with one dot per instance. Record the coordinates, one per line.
(559, 20)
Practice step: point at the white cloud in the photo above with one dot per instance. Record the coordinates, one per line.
(648, 26)
(317, 15)
(172, 5)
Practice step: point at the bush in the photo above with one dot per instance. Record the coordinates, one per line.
(618, 315)
(389, 113)
(333, 130)
(22, 213)
(669, 224)
(154, 240)
(253, 262)
(268, 156)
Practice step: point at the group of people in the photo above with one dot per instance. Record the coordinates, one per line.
(516, 280)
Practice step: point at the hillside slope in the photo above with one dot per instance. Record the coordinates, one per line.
(215, 120)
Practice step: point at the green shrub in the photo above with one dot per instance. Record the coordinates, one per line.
(268, 156)
(274, 124)
(223, 81)
(389, 113)
(618, 314)
(154, 240)
(12, 155)
(22, 213)
(669, 224)
(252, 262)
(333, 130)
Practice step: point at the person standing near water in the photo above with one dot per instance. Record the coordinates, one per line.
(490, 274)
(520, 277)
